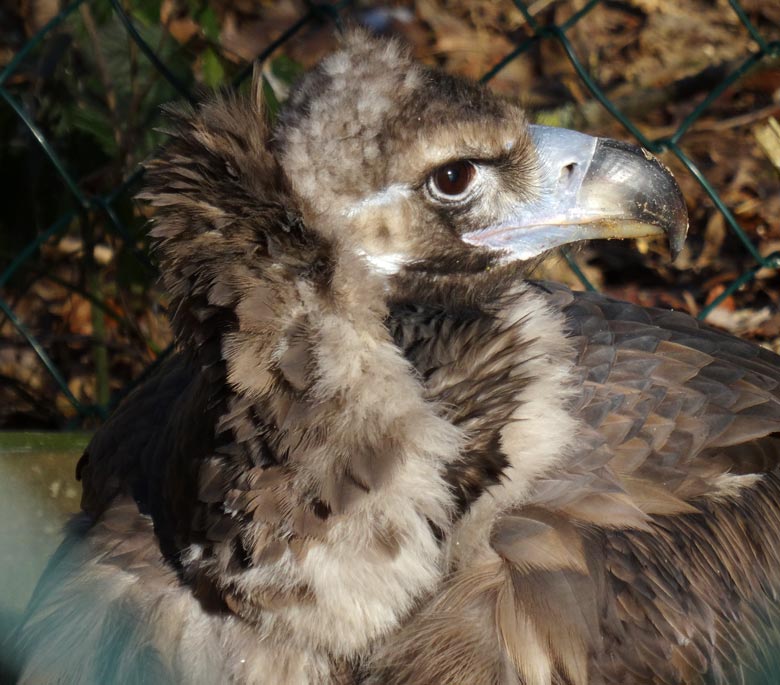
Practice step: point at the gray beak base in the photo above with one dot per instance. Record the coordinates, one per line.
(590, 188)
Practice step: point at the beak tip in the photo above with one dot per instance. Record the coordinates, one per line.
(677, 230)
(676, 246)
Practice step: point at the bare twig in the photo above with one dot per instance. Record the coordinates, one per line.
(102, 68)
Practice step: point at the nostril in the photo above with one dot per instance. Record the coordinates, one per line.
(567, 174)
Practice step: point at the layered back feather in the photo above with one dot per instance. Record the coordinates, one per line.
(448, 475)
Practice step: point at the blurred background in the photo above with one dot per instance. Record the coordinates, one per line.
(82, 318)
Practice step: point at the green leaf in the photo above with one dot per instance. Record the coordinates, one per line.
(212, 69)
(271, 101)
(209, 23)
(97, 124)
(101, 12)
(562, 117)
(147, 11)
(286, 70)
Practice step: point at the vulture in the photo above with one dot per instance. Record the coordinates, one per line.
(383, 453)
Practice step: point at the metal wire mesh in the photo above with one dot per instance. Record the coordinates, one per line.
(85, 206)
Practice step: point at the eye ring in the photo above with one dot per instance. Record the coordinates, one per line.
(453, 180)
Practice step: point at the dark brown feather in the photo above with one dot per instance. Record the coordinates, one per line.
(320, 483)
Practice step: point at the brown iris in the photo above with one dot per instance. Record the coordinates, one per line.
(453, 179)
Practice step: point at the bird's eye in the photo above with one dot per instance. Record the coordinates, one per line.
(452, 180)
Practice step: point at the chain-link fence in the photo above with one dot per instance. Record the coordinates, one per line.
(98, 215)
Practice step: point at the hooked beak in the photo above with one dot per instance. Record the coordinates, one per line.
(590, 188)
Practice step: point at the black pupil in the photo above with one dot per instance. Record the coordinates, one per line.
(453, 179)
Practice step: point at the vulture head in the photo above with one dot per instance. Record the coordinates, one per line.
(422, 170)
(382, 454)
(422, 174)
